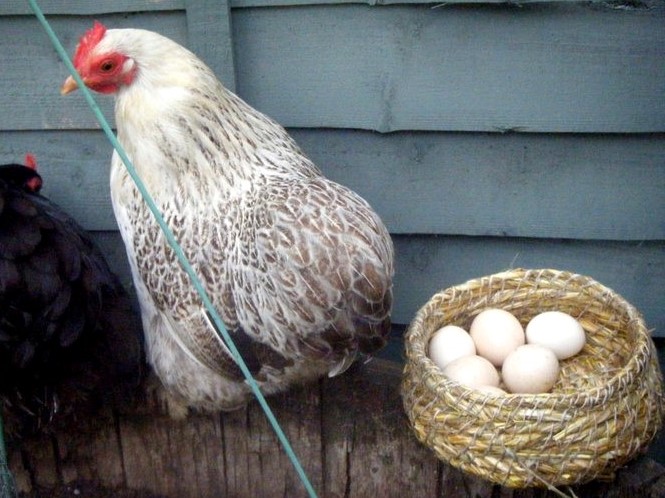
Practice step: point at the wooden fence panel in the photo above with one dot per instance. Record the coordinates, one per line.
(564, 68)
(601, 187)
(554, 68)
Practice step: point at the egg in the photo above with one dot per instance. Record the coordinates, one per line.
(530, 369)
(472, 371)
(449, 343)
(496, 333)
(557, 331)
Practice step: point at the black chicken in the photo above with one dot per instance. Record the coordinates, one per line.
(70, 339)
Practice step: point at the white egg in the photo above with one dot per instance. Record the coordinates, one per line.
(472, 371)
(449, 343)
(496, 333)
(530, 369)
(557, 331)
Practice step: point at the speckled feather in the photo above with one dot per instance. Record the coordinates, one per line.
(299, 267)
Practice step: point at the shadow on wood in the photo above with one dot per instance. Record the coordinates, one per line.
(349, 432)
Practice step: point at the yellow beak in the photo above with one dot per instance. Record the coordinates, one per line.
(68, 86)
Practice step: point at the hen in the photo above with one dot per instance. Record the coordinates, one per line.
(299, 267)
(69, 338)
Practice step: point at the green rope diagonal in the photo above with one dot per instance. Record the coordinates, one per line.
(170, 237)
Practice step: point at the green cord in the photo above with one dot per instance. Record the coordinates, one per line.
(176, 248)
(7, 486)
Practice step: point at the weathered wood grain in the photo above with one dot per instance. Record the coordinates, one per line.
(236, 453)
(529, 185)
(92, 452)
(22, 478)
(269, 470)
(354, 422)
(173, 458)
(369, 450)
(40, 460)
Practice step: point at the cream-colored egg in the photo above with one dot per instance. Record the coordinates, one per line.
(472, 371)
(496, 333)
(557, 331)
(449, 343)
(530, 369)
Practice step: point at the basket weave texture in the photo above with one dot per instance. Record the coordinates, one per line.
(606, 407)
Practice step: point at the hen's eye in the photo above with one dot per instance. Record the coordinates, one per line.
(107, 66)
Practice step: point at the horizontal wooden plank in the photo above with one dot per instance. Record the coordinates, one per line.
(428, 264)
(529, 185)
(85, 7)
(433, 3)
(564, 68)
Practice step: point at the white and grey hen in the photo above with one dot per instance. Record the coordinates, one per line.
(299, 267)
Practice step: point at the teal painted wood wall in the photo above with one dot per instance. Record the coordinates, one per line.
(488, 135)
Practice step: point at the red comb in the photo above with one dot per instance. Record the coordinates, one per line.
(31, 161)
(88, 41)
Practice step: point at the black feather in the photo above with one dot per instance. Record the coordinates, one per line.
(70, 338)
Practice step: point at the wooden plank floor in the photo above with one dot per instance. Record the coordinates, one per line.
(350, 433)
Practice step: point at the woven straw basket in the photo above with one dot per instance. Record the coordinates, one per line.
(605, 408)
